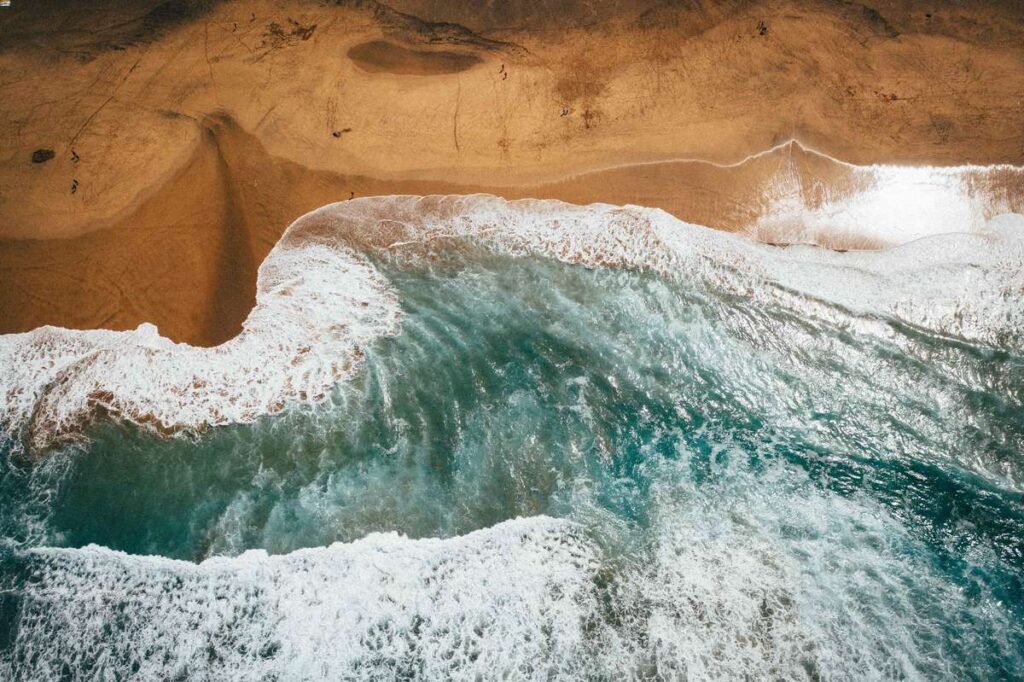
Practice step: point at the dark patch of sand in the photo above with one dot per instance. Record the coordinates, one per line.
(381, 56)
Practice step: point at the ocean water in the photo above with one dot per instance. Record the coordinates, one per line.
(650, 451)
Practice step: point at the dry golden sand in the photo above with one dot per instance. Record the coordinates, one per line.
(193, 132)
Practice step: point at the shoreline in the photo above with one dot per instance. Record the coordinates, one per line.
(154, 157)
(186, 257)
(320, 302)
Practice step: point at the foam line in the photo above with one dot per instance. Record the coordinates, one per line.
(788, 145)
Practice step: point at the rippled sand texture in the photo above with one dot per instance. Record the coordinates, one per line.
(193, 132)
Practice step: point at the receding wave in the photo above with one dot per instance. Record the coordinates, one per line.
(811, 198)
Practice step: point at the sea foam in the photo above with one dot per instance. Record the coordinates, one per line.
(780, 583)
(487, 604)
(320, 302)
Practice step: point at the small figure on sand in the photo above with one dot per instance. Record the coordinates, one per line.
(351, 196)
(74, 186)
(565, 111)
(74, 156)
(762, 28)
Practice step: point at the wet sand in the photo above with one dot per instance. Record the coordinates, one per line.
(180, 139)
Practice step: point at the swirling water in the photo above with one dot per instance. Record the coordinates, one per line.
(552, 471)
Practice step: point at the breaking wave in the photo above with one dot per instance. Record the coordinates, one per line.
(319, 302)
(530, 598)
(467, 438)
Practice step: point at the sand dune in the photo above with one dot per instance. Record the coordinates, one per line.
(182, 137)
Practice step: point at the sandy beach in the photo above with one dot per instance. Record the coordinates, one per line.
(151, 162)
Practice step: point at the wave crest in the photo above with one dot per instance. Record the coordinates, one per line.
(320, 301)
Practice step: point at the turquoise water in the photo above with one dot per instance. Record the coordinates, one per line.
(728, 488)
